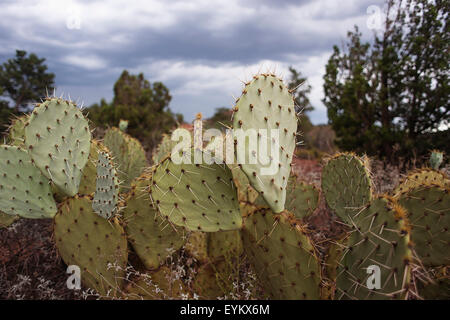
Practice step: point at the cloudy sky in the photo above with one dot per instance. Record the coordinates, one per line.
(201, 49)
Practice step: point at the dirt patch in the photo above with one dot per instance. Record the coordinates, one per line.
(30, 267)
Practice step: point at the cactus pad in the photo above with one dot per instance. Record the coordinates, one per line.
(107, 187)
(428, 210)
(17, 131)
(381, 239)
(128, 155)
(439, 287)
(420, 177)
(211, 280)
(152, 238)
(200, 197)
(282, 255)
(58, 139)
(301, 198)
(24, 191)
(240, 181)
(197, 246)
(96, 245)
(347, 185)
(224, 244)
(266, 104)
(436, 159)
(164, 149)
(6, 219)
(123, 125)
(89, 178)
(162, 284)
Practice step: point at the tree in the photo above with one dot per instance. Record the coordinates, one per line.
(25, 79)
(144, 105)
(390, 96)
(221, 119)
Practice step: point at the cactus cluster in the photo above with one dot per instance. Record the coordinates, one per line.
(111, 212)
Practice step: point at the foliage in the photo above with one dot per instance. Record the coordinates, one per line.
(144, 105)
(386, 97)
(25, 79)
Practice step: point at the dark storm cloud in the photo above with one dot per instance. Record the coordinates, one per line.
(177, 42)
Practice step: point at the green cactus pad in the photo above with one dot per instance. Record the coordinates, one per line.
(347, 185)
(211, 280)
(162, 284)
(96, 245)
(200, 197)
(282, 254)
(240, 181)
(428, 209)
(89, 178)
(152, 238)
(436, 159)
(24, 191)
(334, 256)
(301, 198)
(123, 125)
(331, 262)
(6, 220)
(438, 288)
(16, 132)
(226, 244)
(107, 187)
(266, 104)
(382, 239)
(128, 155)
(197, 246)
(58, 139)
(420, 177)
(164, 149)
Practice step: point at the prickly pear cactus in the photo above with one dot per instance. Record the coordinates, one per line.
(436, 288)
(301, 198)
(420, 177)
(24, 191)
(128, 154)
(58, 140)
(123, 125)
(266, 107)
(380, 239)
(6, 220)
(200, 197)
(96, 245)
(164, 149)
(197, 246)
(89, 176)
(211, 280)
(282, 254)
(107, 187)
(436, 159)
(152, 238)
(240, 181)
(428, 210)
(331, 262)
(16, 132)
(226, 244)
(347, 185)
(161, 284)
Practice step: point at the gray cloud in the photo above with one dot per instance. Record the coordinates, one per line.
(199, 49)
